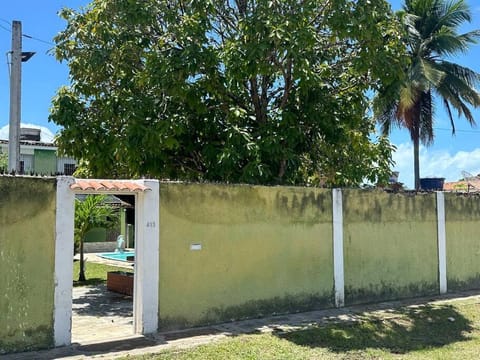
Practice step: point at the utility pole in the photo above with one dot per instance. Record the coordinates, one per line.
(15, 98)
(16, 59)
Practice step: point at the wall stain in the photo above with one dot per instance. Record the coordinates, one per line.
(27, 242)
(29, 339)
(386, 292)
(245, 204)
(375, 206)
(462, 208)
(471, 283)
(17, 190)
(252, 309)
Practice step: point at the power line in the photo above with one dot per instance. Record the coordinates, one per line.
(459, 130)
(8, 52)
(25, 35)
(37, 39)
(5, 28)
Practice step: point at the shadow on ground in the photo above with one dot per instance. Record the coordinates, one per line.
(98, 301)
(116, 345)
(399, 331)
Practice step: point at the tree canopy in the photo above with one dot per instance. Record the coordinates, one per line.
(432, 38)
(262, 92)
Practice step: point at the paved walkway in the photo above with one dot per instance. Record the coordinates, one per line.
(135, 345)
(100, 315)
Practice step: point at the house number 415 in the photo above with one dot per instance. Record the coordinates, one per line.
(151, 224)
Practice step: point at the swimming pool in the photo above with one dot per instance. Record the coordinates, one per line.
(119, 256)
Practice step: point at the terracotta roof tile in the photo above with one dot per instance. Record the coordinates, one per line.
(107, 185)
(462, 186)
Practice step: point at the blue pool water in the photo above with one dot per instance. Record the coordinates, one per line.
(117, 255)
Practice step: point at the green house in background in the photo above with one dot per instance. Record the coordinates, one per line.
(105, 240)
(40, 158)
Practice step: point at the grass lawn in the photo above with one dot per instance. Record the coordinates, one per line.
(438, 331)
(95, 273)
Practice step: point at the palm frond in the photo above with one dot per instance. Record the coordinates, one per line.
(92, 212)
(450, 116)
(466, 75)
(430, 72)
(455, 100)
(409, 21)
(454, 14)
(470, 37)
(458, 88)
(387, 119)
(385, 107)
(446, 42)
(427, 113)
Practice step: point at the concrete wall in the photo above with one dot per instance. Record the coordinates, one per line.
(99, 247)
(390, 245)
(463, 241)
(231, 252)
(45, 162)
(27, 243)
(263, 250)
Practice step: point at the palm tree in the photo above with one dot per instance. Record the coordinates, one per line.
(91, 212)
(431, 36)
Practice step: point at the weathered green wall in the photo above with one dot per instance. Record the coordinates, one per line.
(96, 235)
(45, 162)
(27, 243)
(390, 245)
(264, 250)
(462, 215)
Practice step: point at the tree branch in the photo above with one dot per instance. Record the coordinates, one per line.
(287, 76)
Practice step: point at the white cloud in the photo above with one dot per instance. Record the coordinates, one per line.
(435, 163)
(46, 134)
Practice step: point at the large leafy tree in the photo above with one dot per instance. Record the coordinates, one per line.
(432, 29)
(264, 91)
(91, 212)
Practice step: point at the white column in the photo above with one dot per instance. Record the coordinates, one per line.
(64, 225)
(147, 259)
(338, 270)
(441, 239)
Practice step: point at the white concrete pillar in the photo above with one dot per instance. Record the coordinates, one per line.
(64, 226)
(441, 240)
(145, 299)
(338, 266)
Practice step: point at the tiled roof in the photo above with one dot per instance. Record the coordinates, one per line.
(108, 185)
(473, 185)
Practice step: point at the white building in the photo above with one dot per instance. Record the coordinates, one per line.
(40, 158)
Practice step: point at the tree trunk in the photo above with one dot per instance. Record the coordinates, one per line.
(81, 274)
(416, 154)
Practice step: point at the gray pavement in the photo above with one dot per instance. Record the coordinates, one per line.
(100, 315)
(110, 345)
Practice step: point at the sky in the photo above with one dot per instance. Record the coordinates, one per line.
(42, 75)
